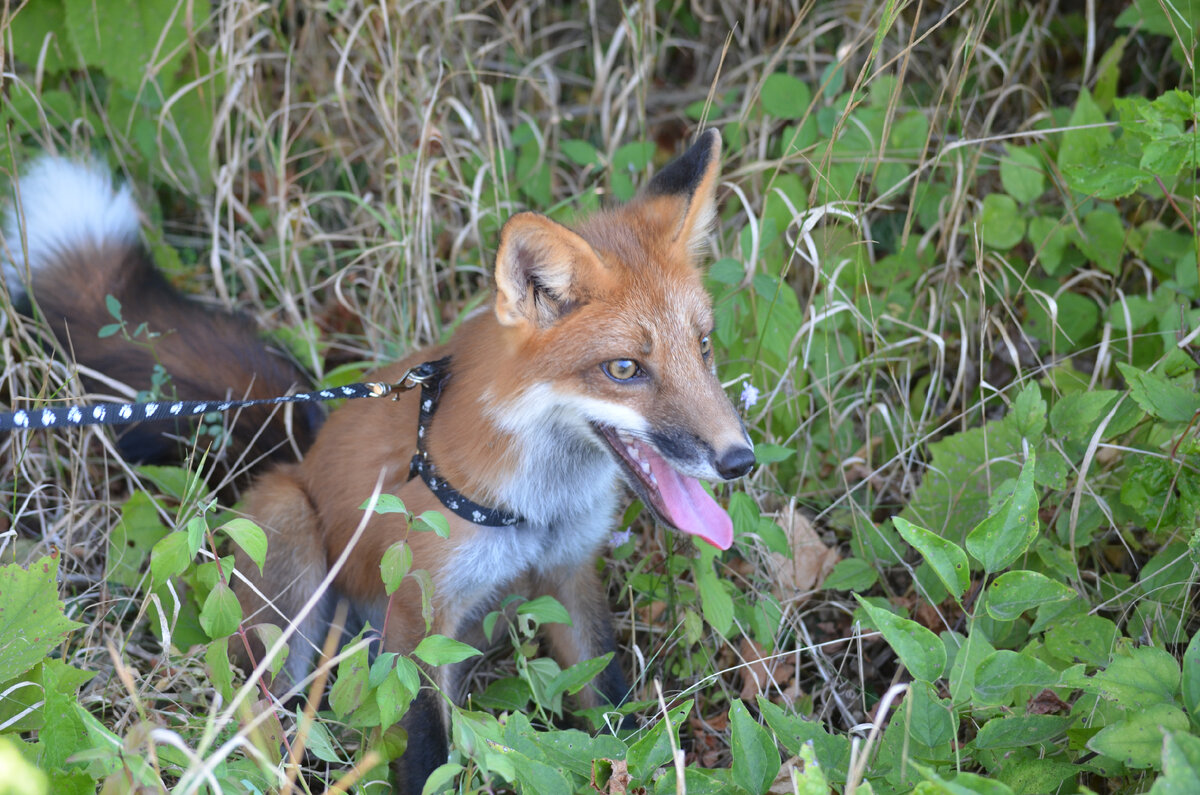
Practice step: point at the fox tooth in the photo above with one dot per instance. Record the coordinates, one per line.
(646, 467)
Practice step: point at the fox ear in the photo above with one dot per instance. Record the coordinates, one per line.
(691, 179)
(543, 271)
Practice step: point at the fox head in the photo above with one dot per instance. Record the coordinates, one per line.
(613, 325)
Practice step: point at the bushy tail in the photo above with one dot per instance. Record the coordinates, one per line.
(74, 242)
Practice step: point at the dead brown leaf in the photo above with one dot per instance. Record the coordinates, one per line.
(809, 565)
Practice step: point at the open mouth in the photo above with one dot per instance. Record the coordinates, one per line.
(677, 500)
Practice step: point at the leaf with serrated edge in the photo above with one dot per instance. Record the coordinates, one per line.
(31, 616)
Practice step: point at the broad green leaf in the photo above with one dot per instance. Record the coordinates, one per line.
(396, 563)
(432, 520)
(1137, 741)
(654, 748)
(1159, 396)
(946, 558)
(1051, 238)
(510, 693)
(249, 537)
(784, 96)
(221, 613)
(927, 718)
(386, 503)
(580, 152)
(1003, 671)
(921, 651)
(169, 557)
(393, 700)
(968, 653)
(851, 574)
(1180, 765)
(216, 659)
(440, 650)
(1190, 685)
(320, 743)
(1021, 175)
(1140, 678)
(132, 540)
(1087, 638)
(1022, 731)
(545, 609)
(1005, 535)
(1001, 225)
(772, 453)
(350, 687)
(1103, 239)
(578, 676)
(715, 601)
(1014, 592)
(795, 732)
(1028, 413)
(961, 784)
(755, 757)
(32, 622)
(1081, 147)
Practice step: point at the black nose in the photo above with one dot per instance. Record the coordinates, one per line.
(735, 462)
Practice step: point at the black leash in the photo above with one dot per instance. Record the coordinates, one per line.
(126, 413)
(430, 376)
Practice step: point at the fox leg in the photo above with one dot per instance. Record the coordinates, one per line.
(590, 634)
(294, 568)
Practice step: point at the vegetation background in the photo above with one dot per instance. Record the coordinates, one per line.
(957, 294)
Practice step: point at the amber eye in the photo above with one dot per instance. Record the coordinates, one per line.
(706, 346)
(621, 369)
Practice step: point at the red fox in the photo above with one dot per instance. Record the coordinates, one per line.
(594, 366)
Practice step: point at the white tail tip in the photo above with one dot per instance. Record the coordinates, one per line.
(64, 204)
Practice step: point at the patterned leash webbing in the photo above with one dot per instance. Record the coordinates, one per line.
(125, 413)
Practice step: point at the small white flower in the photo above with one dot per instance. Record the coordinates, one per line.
(619, 537)
(749, 395)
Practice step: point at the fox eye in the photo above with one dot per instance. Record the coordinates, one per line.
(706, 346)
(621, 369)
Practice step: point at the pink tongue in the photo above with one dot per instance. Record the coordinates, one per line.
(689, 507)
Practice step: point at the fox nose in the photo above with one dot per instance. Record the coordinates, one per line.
(735, 462)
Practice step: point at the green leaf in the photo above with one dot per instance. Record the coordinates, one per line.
(1022, 731)
(654, 749)
(1137, 741)
(928, 719)
(784, 96)
(1051, 238)
(432, 520)
(715, 601)
(921, 651)
(1190, 686)
(32, 622)
(221, 613)
(946, 558)
(169, 557)
(1028, 414)
(396, 563)
(216, 660)
(1000, 223)
(250, 537)
(795, 733)
(1086, 638)
(352, 683)
(1081, 147)
(386, 503)
(440, 650)
(772, 453)
(545, 609)
(113, 306)
(1103, 239)
(132, 540)
(1180, 765)
(1141, 678)
(580, 152)
(1003, 671)
(578, 676)
(1021, 175)
(1159, 396)
(1014, 592)
(755, 757)
(851, 574)
(108, 330)
(1005, 535)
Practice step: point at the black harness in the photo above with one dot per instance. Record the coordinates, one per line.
(432, 376)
